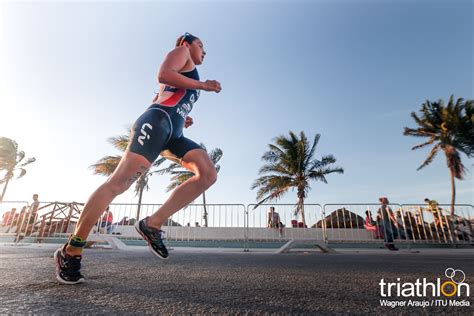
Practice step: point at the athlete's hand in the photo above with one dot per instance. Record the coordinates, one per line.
(212, 85)
(188, 122)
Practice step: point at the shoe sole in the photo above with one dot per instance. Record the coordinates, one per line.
(137, 227)
(61, 280)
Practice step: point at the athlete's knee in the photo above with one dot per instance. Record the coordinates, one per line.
(117, 188)
(208, 177)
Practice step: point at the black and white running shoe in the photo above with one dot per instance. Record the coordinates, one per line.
(68, 268)
(154, 237)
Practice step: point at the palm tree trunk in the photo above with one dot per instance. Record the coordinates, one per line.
(205, 209)
(140, 194)
(453, 193)
(301, 203)
(4, 190)
(301, 196)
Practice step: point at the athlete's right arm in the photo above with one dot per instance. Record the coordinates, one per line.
(174, 62)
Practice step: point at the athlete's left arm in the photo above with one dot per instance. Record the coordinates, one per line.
(174, 62)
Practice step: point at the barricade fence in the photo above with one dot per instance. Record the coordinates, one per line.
(353, 222)
(194, 222)
(434, 224)
(397, 223)
(332, 223)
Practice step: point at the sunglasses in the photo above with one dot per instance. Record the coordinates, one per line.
(184, 37)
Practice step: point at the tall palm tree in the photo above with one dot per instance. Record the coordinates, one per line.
(448, 128)
(290, 163)
(11, 161)
(181, 175)
(107, 165)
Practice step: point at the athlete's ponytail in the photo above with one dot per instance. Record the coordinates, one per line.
(187, 37)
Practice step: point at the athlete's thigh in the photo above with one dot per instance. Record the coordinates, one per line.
(189, 154)
(129, 169)
(197, 161)
(150, 134)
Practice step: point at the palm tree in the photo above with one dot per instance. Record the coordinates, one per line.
(450, 129)
(290, 163)
(181, 175)
(11, 161)
(107, 165)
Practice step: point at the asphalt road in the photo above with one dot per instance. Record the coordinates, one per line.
(220, 281)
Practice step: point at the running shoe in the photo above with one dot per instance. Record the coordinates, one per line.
(68, 268)
(154, 238)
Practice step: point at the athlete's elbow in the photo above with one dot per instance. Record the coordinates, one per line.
(164, 76)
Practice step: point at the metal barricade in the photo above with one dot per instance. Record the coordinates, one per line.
(120, 219)
(260, 227)
(192, 223)
(333, 223)
(437, 225)
(414, 223)
(364, 223)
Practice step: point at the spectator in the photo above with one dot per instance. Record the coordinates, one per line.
(401, 227)
(274, 221)
(107, 220)
(371, 225)
(369, 221)
(21, 224)
(197, 224)
(15, 218)
(433, 207)
(462, 229)
(411, 218)
(123, 221)
(387, 222)
(418, 219)
(28, 217)
(33, 212)
(9, 216)
(22, 219)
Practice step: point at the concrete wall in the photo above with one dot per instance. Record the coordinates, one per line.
(238, 233)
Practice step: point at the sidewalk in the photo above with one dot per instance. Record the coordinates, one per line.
(354, 251)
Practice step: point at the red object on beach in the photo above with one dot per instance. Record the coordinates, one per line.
(300, 225)
(294, 223)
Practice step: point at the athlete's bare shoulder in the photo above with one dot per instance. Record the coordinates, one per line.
(180, 51)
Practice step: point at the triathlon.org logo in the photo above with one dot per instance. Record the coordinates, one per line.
(454, 288)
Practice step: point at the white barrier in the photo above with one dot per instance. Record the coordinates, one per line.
(340, 223)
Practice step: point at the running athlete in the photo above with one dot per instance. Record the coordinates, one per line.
(159, 129)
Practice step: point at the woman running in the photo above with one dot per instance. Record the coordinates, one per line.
(160, 128)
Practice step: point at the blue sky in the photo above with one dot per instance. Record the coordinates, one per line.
(74, 74)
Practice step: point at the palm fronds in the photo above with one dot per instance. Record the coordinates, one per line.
(290, 163)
